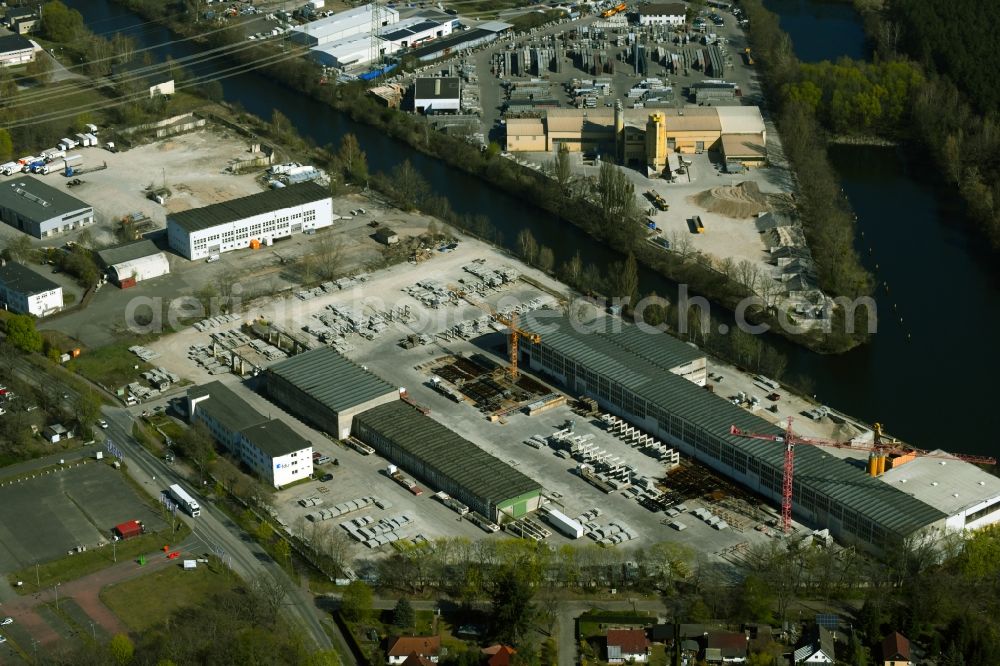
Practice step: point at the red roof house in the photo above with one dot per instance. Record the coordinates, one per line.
(896, 650)
(129, 529)
(626, 645)
(498, 655)
(424, 647)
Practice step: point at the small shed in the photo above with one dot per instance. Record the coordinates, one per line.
(134, 262)
(56, 432)
(129, 529)
(386, 236)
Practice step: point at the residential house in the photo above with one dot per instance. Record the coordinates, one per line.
(498, 655)
(56, 433)
(627, 645)
(817, 648)
(726, 647)
(423, 647)
(896, 650)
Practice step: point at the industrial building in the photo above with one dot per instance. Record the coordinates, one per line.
(445, 461)
(359, 48)
(437, 95)
(357, 21)
(134, 262)
(41, 210)
(249, 222)
(24, 291)
(269, 447)
(660, 13)
(644, 138)
(484, 33)
(16, 50)
(327, 389)
(630, 374)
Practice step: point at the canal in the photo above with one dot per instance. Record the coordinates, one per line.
(936, 317)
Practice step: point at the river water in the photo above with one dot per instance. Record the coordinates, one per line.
(926, 381)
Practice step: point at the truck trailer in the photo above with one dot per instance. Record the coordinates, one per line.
(184, 500)
(564, 524)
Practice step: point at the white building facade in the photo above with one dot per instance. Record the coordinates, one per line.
(26, 292)
(16, 50)
(663, 14)
(355, 21)
(250, 222)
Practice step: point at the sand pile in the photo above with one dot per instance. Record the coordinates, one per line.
(743, 200)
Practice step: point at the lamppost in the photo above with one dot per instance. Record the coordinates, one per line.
(56, 588)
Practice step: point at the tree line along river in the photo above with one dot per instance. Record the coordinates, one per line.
(927, 374)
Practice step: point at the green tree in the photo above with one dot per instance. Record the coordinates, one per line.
(19, 247)
(280, 124)
(6, 145)
(122, 650)
(40, 69)
(402, 615)
(562, 167)
(410, 189)
(22, 334)
(356, 602)
(88, 408)
(60, 23)
(512, 609)
(626, 280)
(197, 445)
(527, 246)
(546, 259)
(354, 159)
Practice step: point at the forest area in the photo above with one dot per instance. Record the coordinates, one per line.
(928, 85)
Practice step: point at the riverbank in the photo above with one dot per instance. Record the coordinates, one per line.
(526, 184)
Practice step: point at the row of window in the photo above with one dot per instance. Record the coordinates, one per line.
(707, 444)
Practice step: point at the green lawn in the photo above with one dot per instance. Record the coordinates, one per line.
(597, 622)
(112, 366)
(79, 565)
(147, 601)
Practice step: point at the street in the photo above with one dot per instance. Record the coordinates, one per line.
(217, 532)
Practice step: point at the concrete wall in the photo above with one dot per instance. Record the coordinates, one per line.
(40, 304)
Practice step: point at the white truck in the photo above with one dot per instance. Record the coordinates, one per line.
(564, 524)
(53, 154)
(9, 168)
(67, 144)
(184, 500)
(83, 140)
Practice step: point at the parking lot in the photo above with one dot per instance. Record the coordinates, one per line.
(47, 516)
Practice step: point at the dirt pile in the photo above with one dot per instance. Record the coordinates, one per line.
(742, 200)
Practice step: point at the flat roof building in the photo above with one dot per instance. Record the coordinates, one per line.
(24, 291)
(324, 387)
(343, 24)
(629, 373)
(17, 50)
(437, 95)
(445, 461)
(269, 447)
(251, 221)
(40, 210)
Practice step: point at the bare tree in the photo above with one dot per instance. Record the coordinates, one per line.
(747, 274)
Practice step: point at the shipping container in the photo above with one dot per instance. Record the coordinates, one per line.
(564, 524)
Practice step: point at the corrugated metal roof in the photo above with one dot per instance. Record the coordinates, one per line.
(448, 454)
(255, 204)
(37, 201)
(331, 378)
(275, 438)
(128, 252)
(23, 280)
(641, 361)
(231, 411)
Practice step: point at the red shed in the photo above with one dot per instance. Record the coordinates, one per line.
(129, 529)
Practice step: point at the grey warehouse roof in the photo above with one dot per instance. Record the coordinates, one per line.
(639, 362)
(275, 438)
(128, 252)
(436, 88)
(34, 200)
(230, 410)
(24, 280)
(663, 9)
(449, 454)
(331, 378)
(197, 219)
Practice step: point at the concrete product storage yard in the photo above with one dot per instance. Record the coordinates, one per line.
(432, 452)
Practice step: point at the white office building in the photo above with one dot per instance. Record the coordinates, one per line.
(359, 48)
(671, 13)
(355, 21)
(249, 222)
(275, 452)
(24, 291)
(437, 95)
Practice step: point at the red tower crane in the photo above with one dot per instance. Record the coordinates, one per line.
(879, 450)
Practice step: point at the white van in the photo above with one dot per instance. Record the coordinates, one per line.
(212, 258)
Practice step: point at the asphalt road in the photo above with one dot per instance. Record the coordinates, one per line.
(217, 531)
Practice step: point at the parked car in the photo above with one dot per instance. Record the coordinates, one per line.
(326, 477)
(6, 621)
(102, 423)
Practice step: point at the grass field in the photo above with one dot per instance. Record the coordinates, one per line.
(112, 366)
(79, 565)
(148, 601)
